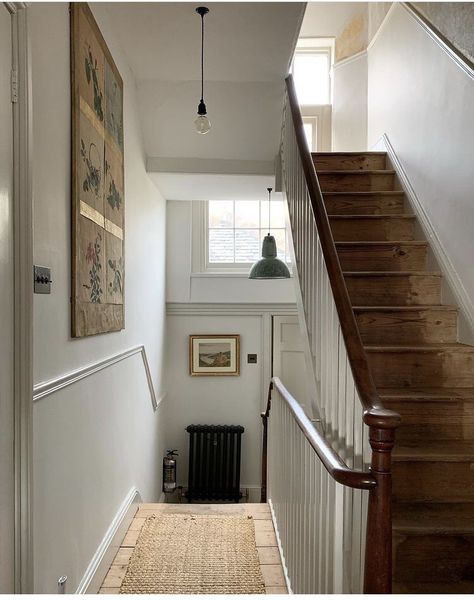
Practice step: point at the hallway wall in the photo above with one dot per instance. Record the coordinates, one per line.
(95, 439)
(423, 101)
(217, 304)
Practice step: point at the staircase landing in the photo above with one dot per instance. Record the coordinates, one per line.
(267, 547)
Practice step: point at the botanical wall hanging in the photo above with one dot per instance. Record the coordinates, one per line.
(97, 180)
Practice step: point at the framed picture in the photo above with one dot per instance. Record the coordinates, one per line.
(214, 355)
(98, 196)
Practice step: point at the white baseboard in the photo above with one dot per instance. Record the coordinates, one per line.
(105, 553)
(453, 288)
(280, 547)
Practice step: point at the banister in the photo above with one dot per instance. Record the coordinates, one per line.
(332, 462)
(375, 415)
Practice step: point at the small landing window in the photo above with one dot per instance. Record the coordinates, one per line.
(235, 231)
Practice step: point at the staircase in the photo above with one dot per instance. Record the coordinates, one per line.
(420, 369)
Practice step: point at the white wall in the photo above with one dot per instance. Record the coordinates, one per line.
(183, 286)
(423, 101)
(215, 400)
(95, 439)
(349, 114)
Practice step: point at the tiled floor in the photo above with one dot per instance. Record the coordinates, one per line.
(264, 533)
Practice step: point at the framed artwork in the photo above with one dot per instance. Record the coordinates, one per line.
(98, 196)
(214, 355)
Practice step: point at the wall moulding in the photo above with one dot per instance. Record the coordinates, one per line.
(46, 388)
(236, 309)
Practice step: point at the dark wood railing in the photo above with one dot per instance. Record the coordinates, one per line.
(380, 421)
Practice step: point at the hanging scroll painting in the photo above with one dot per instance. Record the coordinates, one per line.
(98, 227)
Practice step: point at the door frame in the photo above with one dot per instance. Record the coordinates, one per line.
(23, 297)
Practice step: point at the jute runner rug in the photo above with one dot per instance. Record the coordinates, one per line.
(195, 554)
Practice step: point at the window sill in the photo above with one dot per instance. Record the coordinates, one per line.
(223, 274)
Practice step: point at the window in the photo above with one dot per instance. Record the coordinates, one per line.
(311, 69)
(310, 125)
(235, 231)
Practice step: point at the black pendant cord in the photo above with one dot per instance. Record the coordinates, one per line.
(269, 200)
(202, 58)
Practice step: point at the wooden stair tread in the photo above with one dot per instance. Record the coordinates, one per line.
(385, 243)
(377, 217)
(434, 587)
(434, 394)
(367, 193)
(406, 308)
(435, 451)
(355, 172)
(390, 273)
(363, 153)
(434, 518)
(419, 347)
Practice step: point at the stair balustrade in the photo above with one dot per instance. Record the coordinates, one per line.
(328, 481)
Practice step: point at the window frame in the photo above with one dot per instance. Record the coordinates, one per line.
(200, 265)
(317, 46)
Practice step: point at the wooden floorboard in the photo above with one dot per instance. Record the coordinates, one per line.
(267, 547)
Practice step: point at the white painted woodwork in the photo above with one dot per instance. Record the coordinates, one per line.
(7, 508)
(321, 525)
(288, 356)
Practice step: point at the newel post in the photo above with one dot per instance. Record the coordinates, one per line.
(378, 553)
(265, 415)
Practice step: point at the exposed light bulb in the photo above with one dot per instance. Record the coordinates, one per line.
(202, 124)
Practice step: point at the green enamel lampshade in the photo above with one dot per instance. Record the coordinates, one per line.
(269, 266)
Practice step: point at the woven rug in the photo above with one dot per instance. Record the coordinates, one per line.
(195, 554)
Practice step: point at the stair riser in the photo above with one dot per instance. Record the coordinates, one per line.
(429, 558)
(334, 162)
(444, 368)
(372, 230)
(407, 327)
(396, 257)
(364, 205)
(433, 482)
(356, 182)
(405, 290)
(424, 420)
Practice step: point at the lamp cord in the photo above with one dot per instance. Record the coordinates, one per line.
(269, 199)
(202, 58)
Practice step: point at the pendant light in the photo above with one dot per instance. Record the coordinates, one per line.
(269, 266)
(202, 122)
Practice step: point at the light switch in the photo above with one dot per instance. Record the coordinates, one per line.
(252, 359)
(42, 280)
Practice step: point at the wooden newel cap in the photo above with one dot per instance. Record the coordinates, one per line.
(382, 418)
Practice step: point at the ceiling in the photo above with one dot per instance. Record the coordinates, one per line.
(244, 41)
(248, 47)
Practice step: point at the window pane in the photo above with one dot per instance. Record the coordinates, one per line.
(308, 131)
(221, 213)
(221, 245)
(246, 213)
(311, 75)
(247, 245)
(277, 213)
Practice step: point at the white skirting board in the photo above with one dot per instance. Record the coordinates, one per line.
(453, 290)
(105, 553)
(280, 547)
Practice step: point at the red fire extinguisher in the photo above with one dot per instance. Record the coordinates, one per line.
(169, 471)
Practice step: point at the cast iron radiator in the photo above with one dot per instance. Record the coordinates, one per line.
(214, 462)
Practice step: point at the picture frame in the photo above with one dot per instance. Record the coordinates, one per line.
(212, 355)
(97, 180)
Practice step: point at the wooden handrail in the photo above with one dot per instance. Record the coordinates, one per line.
(375, 415)
(332, 462)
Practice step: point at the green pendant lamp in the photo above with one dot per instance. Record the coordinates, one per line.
(269, 266)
